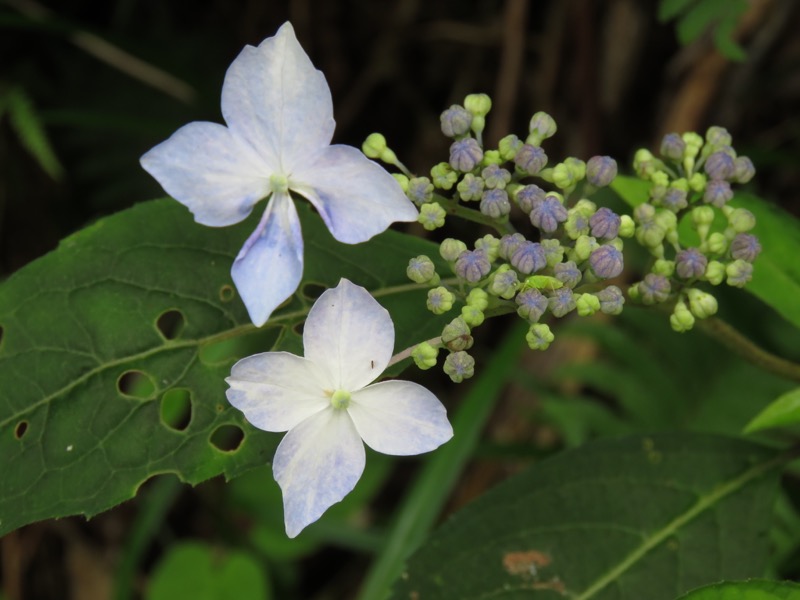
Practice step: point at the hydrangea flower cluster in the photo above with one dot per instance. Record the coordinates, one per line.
(691, 189)
(558, 266)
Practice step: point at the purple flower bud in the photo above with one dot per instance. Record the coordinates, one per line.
(459, 366)
(743, 169)
(494, 176)
(472, 265)
(690, 263)
(561, 302)
(530, 159)
(568, 273)
(745, 247)
(719, 166)
(548, 214)
(531, 305)
(495, 204)
(606, 262)
(718, 193)
(455, 121)
(420, 190)
(509, 243)
(605, 223)
(601, 170)
(654, 289)
(529, 196)
(465, 154)
(611, 300)
(673, 146)
(528, 258)
(674, 199)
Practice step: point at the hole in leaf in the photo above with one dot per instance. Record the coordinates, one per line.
(312, 291)
(226, 293)
(170, 324)
(1, 335)
(227, 438)
(176, 409)
(136, 384)
(21, 429)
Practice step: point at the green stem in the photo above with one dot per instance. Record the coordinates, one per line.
(424, 502)
(470, 214)
(731, 338)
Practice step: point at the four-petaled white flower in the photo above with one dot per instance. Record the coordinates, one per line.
(326, 403)
(279, 117)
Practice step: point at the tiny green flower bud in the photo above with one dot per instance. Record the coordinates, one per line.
(478, 298)
(650, 234)
(402, 180)
(681, 318)
(611, 300)
(450, 249)
(697, 182)
(672, 146)
(424, 355)
(465, 154)
(470, 188)
(419, 190)
(587, 304)
(490, 245)
(530, 159)
(601, 170)
(459, 366)
(455, 121)
(440, 300)
(421, 270)
(739, 272)
(539, 337)
(702, 215)
(431, 216)
(644, 163)
(743, 170)
(472, 315)
(741, 220)
(443, 176)
(509, 146)
(627, 226)
(504, 283)
(492, 157)
(644, 212)
(693, 142)
(563, 176)
(374, 145)
(478, 104)
(664, 267)
(541, 127)
(715, 272)
(584, 246)
(718, 136)
(495, 176)
(577, 224)
(553, 251)
(702, 304)
(456, 335)
(717, 243)
(660, 180)
(666, 219)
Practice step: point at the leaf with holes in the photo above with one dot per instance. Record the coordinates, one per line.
(643, 517)
(114, 349)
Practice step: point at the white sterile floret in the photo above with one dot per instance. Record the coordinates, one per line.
(279, 117)
(328, 404)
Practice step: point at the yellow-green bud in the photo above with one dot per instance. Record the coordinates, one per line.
(627, 226)
(422, 270)
(443, 176)
(490, 245)
(451, 248)
(702, 304)
(492, 157)
(539, 337)
(402, 180)
(424, 355)
(459, 366)
(697, 182)
(440, 300)
(741, 220)
(456, 335)
(703, 215)
(584, 246)
(715, 272)
(478, 104)
(664, 267)
(563, 177)
(472, 315)
(587, 304)
(478, 298)
(431, 216)
(508, 147)
(374, 145)
(717, 243)
(541, 127)
(681, 319)
(660, 179)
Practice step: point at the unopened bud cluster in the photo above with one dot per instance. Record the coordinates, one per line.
(691, 182)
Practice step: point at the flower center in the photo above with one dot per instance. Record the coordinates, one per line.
(279, 183)
(340, 399)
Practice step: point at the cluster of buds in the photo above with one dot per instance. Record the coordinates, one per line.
(557, 267)
(691, 182)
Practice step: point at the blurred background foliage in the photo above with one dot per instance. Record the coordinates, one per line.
(86, 87)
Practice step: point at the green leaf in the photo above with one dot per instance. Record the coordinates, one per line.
(644, 517)
(114, 349)
(202, 572)
(669, 9)
(31, 133)
(632, 190)
(746, 590)
(784, 411)
(776, 271)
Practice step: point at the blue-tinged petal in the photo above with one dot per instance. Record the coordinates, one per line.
(274, 98)
(356, 197)
(400, 418)
(270, 264)
(206, 168)
(276, 390)
(317, 464)
(349, 336)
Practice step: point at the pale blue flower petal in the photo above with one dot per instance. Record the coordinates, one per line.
(349, 336)
(317, 464)
(270, 264)
(274, 98)
(356, 197)
(209, 170)
(276, 390)
(400, 418)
